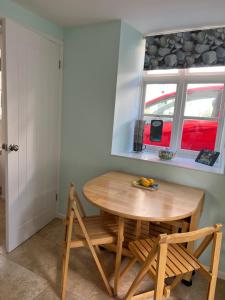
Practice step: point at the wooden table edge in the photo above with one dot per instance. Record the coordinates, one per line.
(127, 216)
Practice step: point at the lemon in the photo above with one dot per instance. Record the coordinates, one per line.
(144, 182)
(151, 181)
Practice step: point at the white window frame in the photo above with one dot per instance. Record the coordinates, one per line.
(183, 77)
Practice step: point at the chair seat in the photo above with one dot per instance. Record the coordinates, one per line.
(101, 229)
(130, 231)
(151, 229)
(157, 228)
(179, 260)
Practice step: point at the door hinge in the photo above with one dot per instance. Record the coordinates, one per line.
(60, 64)
(56, 197)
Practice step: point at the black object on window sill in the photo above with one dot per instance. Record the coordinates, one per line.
(138, 136)
(207, 157)
(156, 130)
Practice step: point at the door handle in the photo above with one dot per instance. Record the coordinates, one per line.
(13, 147)
(5, 147)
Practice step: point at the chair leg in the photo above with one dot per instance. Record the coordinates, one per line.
(212, 288)
(101, 271)
(160, 276)
(175, 282)
(97, 249)
(66, 257)
(93, 251)
(137, 281)
(214, 264)
(119, 251)
(128, 267)
(65, 267)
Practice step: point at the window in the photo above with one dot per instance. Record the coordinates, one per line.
(191, 105)
(160, 103)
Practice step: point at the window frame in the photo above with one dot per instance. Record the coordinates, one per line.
(183, 77)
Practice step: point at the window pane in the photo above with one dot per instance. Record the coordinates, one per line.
(166, 133)
(160, 99)
(203, 100)
(199, 134)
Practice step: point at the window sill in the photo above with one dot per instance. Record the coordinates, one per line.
(177, 161)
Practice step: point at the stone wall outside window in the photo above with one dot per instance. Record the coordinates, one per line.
(201, 48)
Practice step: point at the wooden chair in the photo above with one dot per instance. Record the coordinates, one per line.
(83, 231)
(165, 257)
(157, 228)
(136, 229)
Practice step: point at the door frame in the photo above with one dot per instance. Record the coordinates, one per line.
(4, 111)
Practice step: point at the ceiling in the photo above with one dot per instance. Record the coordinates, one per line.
(145, 15)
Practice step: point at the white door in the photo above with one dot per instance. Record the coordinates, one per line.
(33, 80)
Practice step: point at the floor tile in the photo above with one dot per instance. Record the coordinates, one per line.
(53, 232)
(49, 294)
(18, 283)
(37, 255)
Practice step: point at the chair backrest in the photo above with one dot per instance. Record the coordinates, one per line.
(208, 234)
(73, 200)
(180, 238)
(77, 211)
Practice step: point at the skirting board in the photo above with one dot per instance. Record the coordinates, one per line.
(60, 216)
(221, 275)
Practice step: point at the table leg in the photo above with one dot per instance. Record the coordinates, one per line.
(119, 249)
(138, 229)
(187, 279)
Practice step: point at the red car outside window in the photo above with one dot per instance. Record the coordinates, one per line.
(196, 134)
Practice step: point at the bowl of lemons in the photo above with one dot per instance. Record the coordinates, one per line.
(146, 183)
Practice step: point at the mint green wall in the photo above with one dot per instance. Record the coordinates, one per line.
(129, 76)
(16, 12)
(90, 72)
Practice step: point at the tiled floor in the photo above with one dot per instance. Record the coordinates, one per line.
(32, 271)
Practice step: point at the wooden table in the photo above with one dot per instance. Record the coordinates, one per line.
(113, 193)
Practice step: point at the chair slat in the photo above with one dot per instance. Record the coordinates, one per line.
(173, 259)
(149, 247)
(174, 264)
(179, 261)
(188, 258)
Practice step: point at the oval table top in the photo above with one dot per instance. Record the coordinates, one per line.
(113, 192)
